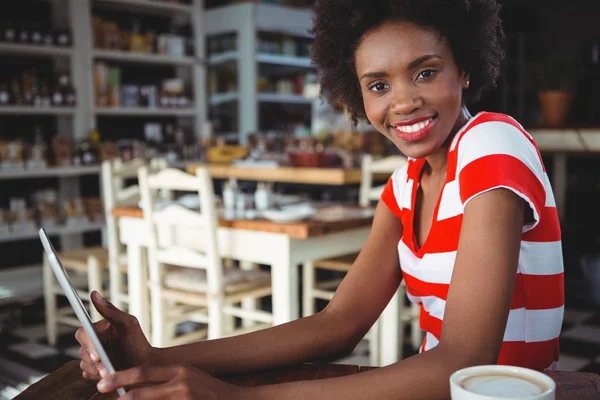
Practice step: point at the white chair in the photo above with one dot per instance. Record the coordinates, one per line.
(84, 267)
(324, 290)
(187, 279)
(117, 193)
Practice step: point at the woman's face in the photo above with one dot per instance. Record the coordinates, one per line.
(411, 87)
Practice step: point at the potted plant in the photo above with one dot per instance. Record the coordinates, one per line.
(556, 77)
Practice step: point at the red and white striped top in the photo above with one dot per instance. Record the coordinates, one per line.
(490, 151)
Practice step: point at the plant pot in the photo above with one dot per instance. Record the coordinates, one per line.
(555, 105)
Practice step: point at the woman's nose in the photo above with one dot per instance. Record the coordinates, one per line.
(405, 102)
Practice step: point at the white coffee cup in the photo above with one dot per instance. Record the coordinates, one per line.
(493, 382)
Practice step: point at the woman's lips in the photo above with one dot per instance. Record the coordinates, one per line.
(416, 132)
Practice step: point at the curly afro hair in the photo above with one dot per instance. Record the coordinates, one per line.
(473, 29)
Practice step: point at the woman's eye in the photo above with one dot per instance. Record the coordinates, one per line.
(378, 87)
(428, 73)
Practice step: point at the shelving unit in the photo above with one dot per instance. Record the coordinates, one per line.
(68, 120)
(81, 119)
(247, 21)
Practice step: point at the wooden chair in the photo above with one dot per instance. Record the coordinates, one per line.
(324, 290)
(187, 279)
(84, 267)
(117, 193)
(88, 266)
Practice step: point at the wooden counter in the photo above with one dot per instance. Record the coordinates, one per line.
(327, 220)
(67, 383)
(568, 140)
(310, 176)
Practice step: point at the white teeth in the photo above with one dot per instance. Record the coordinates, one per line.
(413, 128)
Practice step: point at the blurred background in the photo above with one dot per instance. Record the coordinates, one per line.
(231, 83)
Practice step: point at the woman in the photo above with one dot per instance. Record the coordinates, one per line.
(470, 222)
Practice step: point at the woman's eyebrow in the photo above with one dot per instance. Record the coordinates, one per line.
(418, 61)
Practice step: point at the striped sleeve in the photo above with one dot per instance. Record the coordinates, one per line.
(497, 154)
(392, 193)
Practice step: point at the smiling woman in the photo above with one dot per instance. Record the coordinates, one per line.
(469, 223)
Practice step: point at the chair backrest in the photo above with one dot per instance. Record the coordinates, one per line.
(116, 193)
(197, 248)
(369, 167)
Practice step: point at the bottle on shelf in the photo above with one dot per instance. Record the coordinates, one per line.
(16, 93)
(9, 32)
(28, 79)
(43, 99)
(58, 99)
(67, 90)
(62, 37)
(36, 34)
(37, 156)
(24, 33)
(137, 44)
(4, 94)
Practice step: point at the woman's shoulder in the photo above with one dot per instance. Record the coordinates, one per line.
(491, 128)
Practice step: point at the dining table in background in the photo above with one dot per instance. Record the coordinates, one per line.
(332, 232)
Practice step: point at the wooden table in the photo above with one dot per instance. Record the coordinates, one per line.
(333, 232)
(67, 383)
(311, 176)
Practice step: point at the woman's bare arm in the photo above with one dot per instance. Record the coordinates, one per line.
(475, 318)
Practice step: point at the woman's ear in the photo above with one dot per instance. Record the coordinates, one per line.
(466, 80)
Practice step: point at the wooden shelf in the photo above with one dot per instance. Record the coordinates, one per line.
(142, 112)
(141, 58)
(36, 50)
(30, 110)
(58, 172)
(148, 6)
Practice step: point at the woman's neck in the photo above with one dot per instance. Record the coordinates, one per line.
(437, 162)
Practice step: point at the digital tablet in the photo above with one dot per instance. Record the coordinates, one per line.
(78, 307)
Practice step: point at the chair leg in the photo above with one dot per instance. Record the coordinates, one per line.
(308, 282)
(50, 303)
(115, 283)
(249, 303)
(159, 326)
(374, 344)
(215, 318)
(415, 327)
(94, 283)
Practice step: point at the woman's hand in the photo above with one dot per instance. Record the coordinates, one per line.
(173, 382)
(121, 336)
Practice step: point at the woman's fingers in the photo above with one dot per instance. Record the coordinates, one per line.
(137, 376)
(163, 391)
(93, 370)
